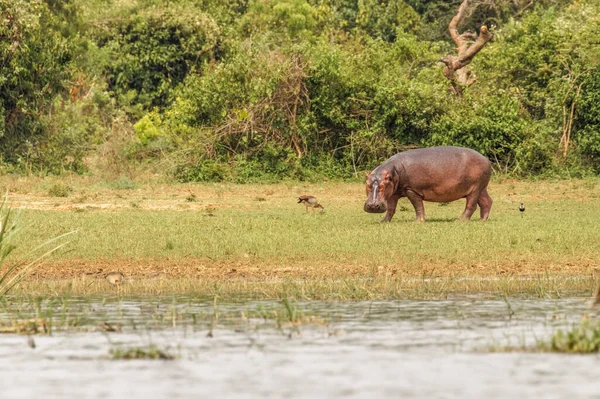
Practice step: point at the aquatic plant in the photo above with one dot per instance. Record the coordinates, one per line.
(27, 326)
(291, 313)
(151, 352)
(580, 338)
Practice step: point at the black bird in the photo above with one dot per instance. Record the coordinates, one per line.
(522, 209)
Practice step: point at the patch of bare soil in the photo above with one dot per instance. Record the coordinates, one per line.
(111, 202)
(248, 269)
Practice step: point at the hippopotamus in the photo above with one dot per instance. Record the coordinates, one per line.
(436, 174)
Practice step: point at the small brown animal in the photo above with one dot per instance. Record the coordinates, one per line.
(115, 278)
(310, 201)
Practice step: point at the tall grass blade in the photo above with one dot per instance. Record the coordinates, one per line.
(13, 274)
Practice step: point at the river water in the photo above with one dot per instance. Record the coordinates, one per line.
(393, 349)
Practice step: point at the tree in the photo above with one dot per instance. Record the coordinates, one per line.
(468, 45)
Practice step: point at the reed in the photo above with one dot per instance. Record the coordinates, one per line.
(13, 272)
(315, 288)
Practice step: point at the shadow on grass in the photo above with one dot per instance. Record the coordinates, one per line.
(441, 220)
(446, 220)
(412, 220)
(433, 220)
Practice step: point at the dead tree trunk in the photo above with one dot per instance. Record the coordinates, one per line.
(468, 45)
(576, 81)
(565, 139)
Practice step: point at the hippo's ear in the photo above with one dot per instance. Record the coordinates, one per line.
(367, 174)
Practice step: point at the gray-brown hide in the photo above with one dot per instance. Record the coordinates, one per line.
(437, 174)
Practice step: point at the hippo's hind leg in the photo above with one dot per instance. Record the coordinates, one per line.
(485, 204)
(471, 206)
(417, 202)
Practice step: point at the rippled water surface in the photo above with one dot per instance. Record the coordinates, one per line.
(425, 349)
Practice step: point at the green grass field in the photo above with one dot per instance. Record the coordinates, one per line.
(259, 233)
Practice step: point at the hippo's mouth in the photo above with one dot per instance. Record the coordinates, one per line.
(373, 203)
(374, 208)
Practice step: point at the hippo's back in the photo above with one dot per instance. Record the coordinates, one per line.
(442, 158)
(442, 173)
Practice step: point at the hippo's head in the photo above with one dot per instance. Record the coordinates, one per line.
(380, 187)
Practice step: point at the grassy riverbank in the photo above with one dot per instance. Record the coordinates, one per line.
(221, 239)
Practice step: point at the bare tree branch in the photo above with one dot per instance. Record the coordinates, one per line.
(455, 69)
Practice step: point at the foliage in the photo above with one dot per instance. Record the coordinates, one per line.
(588, 123)
(582, 338)
(293, 18)
(59, 189)
(384, 19)
(123, 183)
(494, 126)
(249, 90)
(35, 60)
(153, 48)
(71, 130)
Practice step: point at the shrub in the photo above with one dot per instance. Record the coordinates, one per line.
(153, 48)
(123, 183)
(261, 90)
(494, 126)
(587, 127)
(202, 171)
(60, 189)
(35, 59)
(292, 18)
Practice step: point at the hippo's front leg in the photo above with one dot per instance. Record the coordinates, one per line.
(390, 208)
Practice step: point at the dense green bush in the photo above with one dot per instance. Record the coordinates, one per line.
(292, 18)
(35, 61)
(494, 126)
(152, 50)
(588, 122)
(384, 19)
(260, 90)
